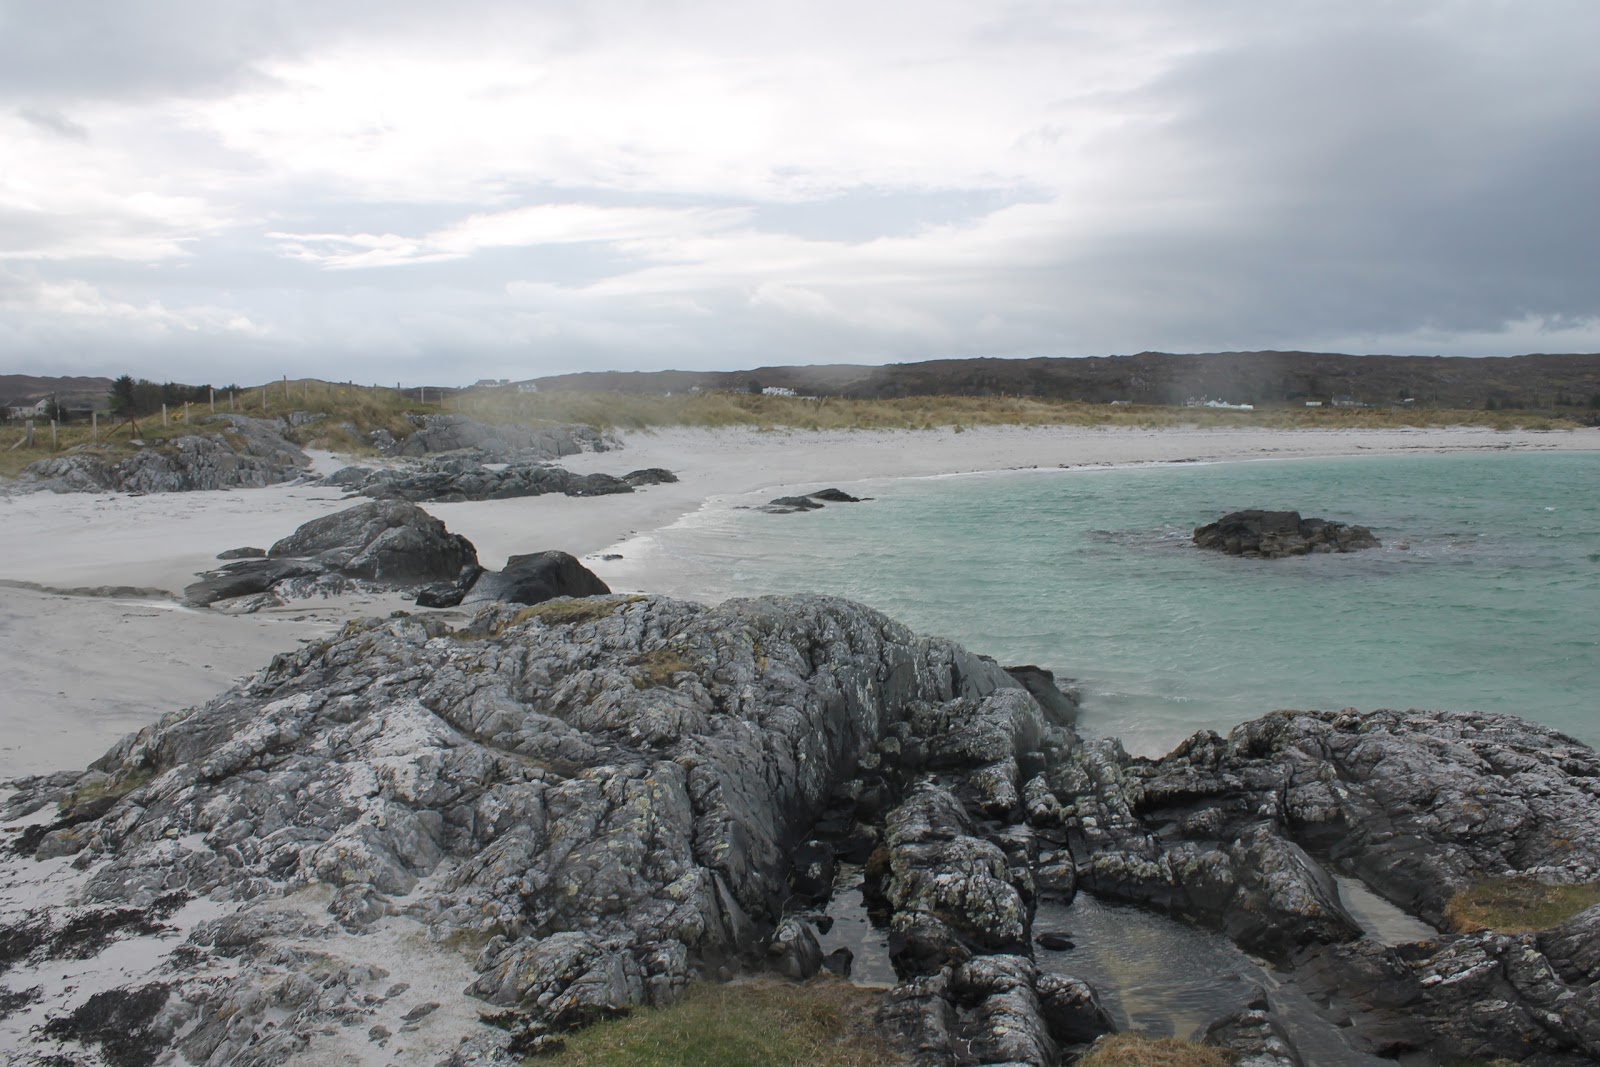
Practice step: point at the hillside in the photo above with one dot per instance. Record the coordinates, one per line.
(70, 392)
(1534, 381)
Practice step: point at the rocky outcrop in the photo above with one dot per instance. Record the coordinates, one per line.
(453, 479)
(383, 544)
(492, 443)
(1275, 534)
(599, 802)
(1240, 832)
(559, 811)
(248, 453)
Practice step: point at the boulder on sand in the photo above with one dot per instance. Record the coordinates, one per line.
(535, 578)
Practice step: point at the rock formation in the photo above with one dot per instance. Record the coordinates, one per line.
(452, 479)
(557, 812)
(788, 505)
(247, 453)
(386, 545)
(1275, 534)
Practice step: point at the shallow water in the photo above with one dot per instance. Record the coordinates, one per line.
(1486, 594)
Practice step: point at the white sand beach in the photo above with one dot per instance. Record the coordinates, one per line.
(96, 643)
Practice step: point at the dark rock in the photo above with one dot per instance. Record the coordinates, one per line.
(1071, 1009)
(1055, 941)
(1275, 534)
(120, 1021)
(242, 553)
(383, 544)
(839, 962)
(448, 596)
(1060, 704)
(788, 505)
(834, 496)
(385, 540)
(535, 578)
(649, 476)
(793, 951)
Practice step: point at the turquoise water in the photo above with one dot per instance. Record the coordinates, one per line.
(1486, 594)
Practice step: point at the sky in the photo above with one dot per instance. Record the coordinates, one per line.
(402, 191)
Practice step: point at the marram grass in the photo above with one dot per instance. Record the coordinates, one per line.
(759, 1023)
(1137, 1050)
(1517, 905)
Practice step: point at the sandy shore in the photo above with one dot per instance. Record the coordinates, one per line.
(84, 668)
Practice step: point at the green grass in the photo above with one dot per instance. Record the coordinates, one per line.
(1517, 905)
(1137, 1050)
(657, 669)
(765, 1023)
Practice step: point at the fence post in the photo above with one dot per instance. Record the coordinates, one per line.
(52, 435)
(213, 399)
(29, 438)
(285, 388)
(186, 413)
(163, 414)
(94, 427)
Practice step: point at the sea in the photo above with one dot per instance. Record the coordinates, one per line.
(1485, 594)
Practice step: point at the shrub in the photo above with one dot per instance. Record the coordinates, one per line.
(1518, 905)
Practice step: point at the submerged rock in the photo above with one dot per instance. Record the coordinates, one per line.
(1275, 534)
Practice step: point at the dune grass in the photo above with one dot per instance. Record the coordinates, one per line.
(1517, 905)
(825, 1022)
(365, 408)
(1137, 1050)
(729, 409)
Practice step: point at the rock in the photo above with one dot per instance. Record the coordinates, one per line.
(454, 478)
(834, 496)
(1059, 701)
(383, 544)
(489, 443)
(249, 453)
(535, 578)
(1055, 941)
(794, 952)
(1275, 534)
(1256, 1035)
(788, 505)
(384, 540)
(242, 553)
(649, 476)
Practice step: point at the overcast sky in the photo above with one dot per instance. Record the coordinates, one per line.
(231, 190)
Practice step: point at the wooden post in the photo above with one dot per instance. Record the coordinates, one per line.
(29, 438)
(424, 394)
(263, 398)
(186, 413)
(94, 427)
(285, 388)
(163, 414)
(213, 399)
(52, 435)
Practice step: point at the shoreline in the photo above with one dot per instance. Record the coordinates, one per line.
(86, 669)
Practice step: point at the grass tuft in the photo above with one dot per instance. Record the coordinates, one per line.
(1518, 905)
(1137, 1050)
(657, 669)
(762, 1023)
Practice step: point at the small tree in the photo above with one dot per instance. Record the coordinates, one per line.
(122, 395)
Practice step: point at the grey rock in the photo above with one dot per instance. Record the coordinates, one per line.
(242, 553)
(1275, 534)
(248, 453)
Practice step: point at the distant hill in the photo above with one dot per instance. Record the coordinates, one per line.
(1535, 381)
(73, 393)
